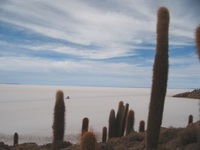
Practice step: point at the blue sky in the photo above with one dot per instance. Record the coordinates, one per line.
(95, 43)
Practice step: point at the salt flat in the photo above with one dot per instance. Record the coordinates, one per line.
(28, 109)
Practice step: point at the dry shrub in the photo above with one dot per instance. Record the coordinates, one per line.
(189, 135)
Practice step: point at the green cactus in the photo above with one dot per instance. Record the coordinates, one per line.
(88, 141)
(142, 126)
(119, 116)
(85, 125)
(130, 122)
(111, 126)
(123, 120)
(59, 119)
(104, 134)
(197, 37)
(160, 77)
(16, 138)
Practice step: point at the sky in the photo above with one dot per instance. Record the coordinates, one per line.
(104, 43)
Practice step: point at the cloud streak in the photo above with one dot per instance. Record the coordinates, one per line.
(94, 37)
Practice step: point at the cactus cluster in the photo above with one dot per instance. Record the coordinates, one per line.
(123, 121)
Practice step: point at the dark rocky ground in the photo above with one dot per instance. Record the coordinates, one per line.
(192, 94)
(170, 139)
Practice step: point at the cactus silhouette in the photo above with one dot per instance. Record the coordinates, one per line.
(88, 141)
(119, 118)
(85, 125)
(197, 37)
(111, 126)
(190, 119)
(142, 126)
(130, 122)
(59, 120)
(160, 77)
(123, 120)
(104, 134)
(16, 138)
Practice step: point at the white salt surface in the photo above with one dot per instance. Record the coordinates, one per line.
(28, 109)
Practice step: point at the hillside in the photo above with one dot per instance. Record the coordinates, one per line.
(193, 94)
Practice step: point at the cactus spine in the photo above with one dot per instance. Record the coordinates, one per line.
(160, 77)
(104, 134)
(85, 125)
(130, 122)
(16, 138)
(59, 119)
(111, 126)
(142, 126)
(88, 141)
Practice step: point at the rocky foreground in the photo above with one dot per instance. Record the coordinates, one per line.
(193, 94)
(170, 139)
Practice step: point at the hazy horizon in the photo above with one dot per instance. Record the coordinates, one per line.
(28, 109)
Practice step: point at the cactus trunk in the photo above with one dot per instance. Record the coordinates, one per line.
(160, 77)
(59, 120)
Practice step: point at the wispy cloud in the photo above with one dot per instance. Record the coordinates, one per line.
(92, 34)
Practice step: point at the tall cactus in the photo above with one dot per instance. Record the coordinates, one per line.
(88, 141)
(130, 122)
(59, 119)
(197, 37)
(160, 77)
(119, 118)
(111, 126)
(85, 125)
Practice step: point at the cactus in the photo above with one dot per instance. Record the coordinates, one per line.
(130, 122)
(123, 120)
(142, 126)
(88, 141)
(119, 118)
(160, 77)
(111, 126)
(16, 138)
(59, 119)
(197, 37)
(104, 134)
(85, 124)
(190, 119)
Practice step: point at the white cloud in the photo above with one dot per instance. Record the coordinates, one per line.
(97, 30)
